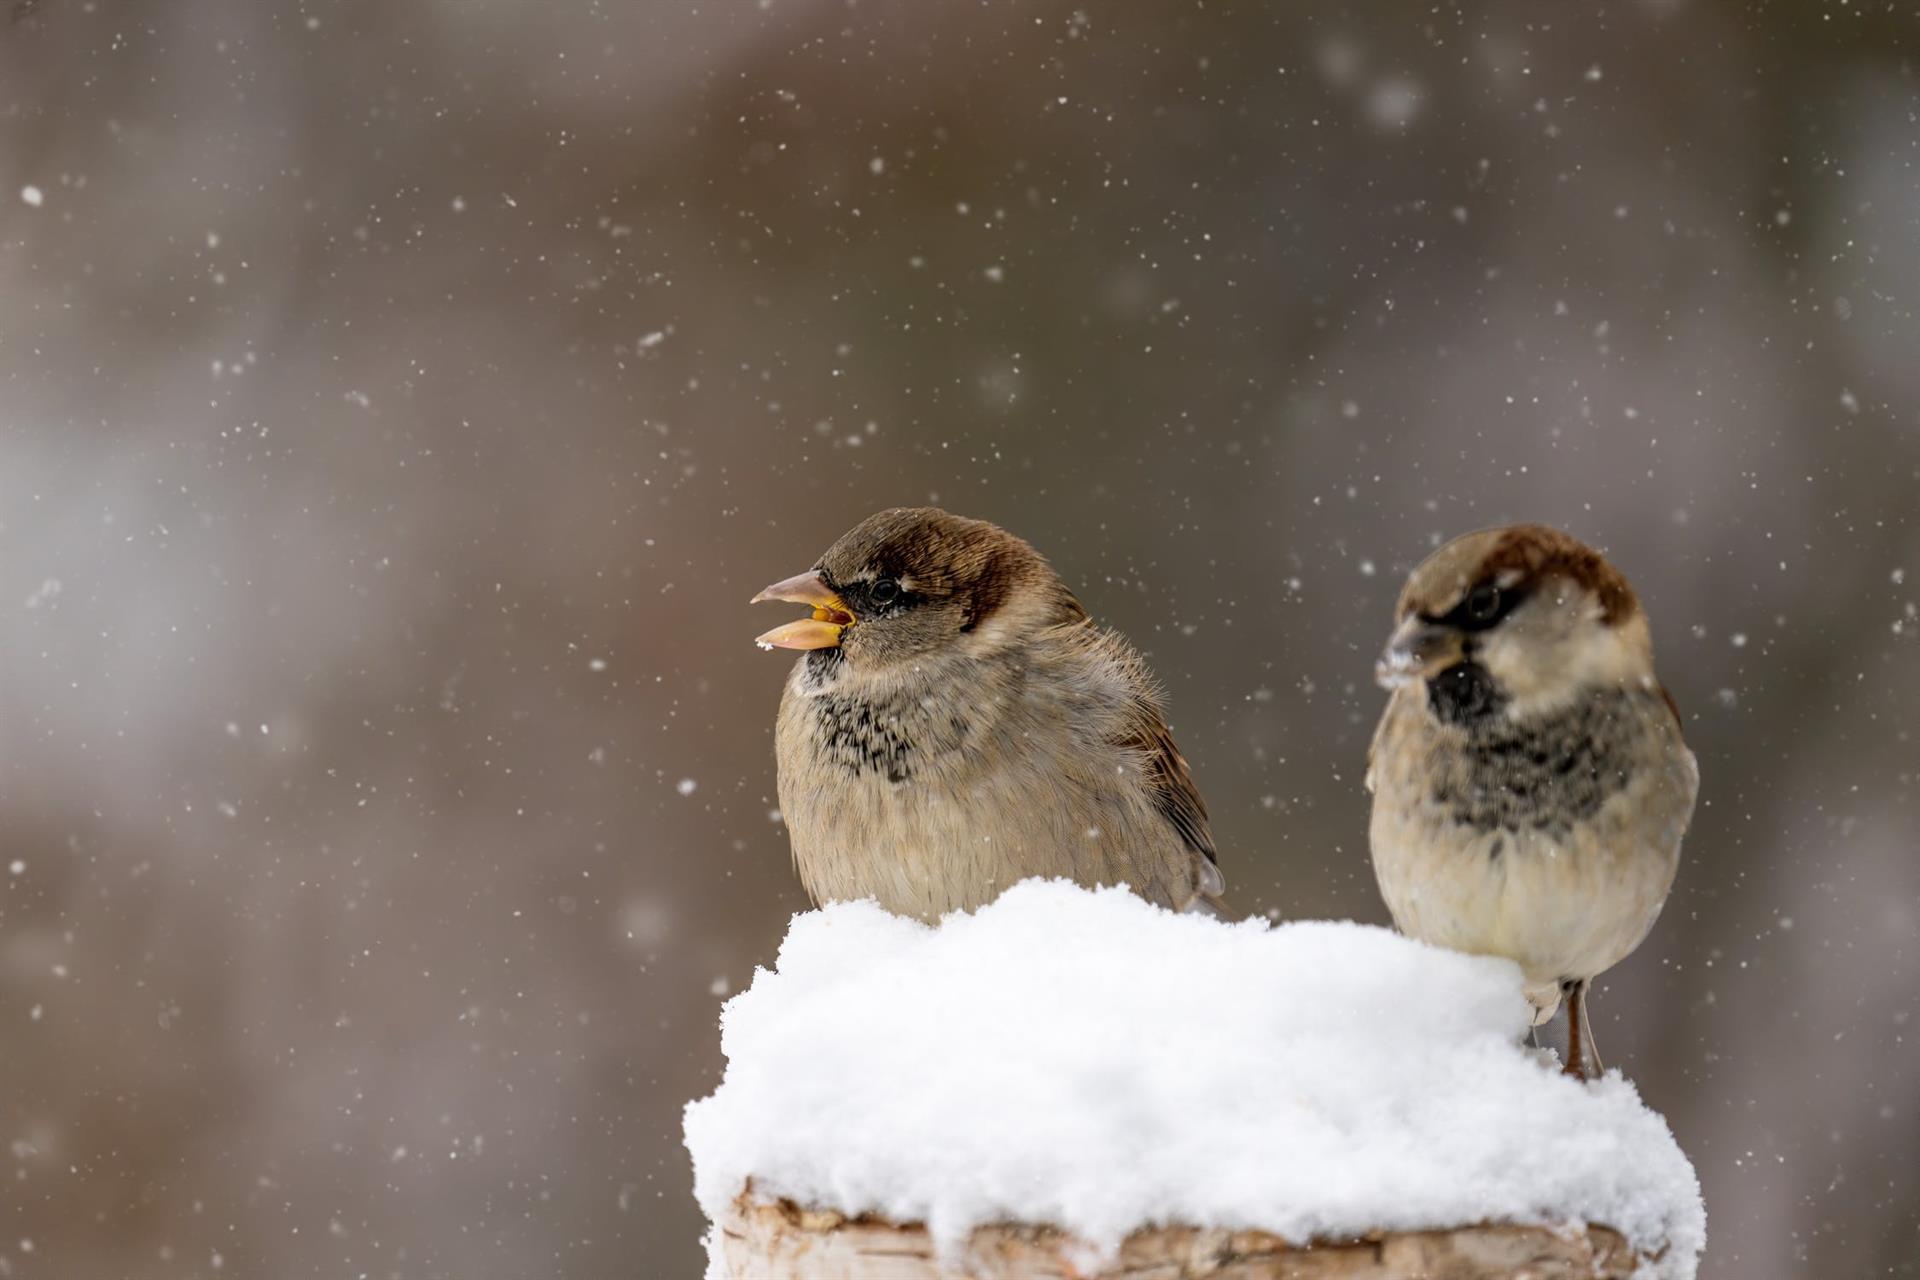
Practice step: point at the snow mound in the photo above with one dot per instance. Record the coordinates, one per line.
(1085, 1059)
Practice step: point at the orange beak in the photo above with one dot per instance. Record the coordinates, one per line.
(822, 631)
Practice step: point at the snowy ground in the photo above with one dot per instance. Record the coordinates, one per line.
(1084, 1059)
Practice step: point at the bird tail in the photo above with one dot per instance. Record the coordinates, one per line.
(1545, 999)
(1206, 904)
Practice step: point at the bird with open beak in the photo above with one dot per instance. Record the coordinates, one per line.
(1530, 783)
(957, 723)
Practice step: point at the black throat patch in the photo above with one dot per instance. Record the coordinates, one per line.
(823, 667)
(1548, 774)
(1465, 695)
(863, 738)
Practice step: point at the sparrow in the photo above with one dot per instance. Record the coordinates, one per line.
(957, 723)
(1530, 782)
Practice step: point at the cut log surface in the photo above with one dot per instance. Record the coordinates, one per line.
(777, 1240)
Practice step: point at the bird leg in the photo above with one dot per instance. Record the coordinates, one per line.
(1576, 990)
(1593, 1046)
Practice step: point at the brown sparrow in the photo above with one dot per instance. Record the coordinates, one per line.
(958, 724)
(1530, 784)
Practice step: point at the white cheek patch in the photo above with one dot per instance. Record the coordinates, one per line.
(1018, 619)
(1600, 653)
(992, 634)
(1557, 645)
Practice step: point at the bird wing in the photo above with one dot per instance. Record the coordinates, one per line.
(1175, 795)
(1145, 733)
(1380, 736)
(1667, 696)
(1140, 730)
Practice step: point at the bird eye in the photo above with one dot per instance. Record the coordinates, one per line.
(883, 590)
(1483, 602)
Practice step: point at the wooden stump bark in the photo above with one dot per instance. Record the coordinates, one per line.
(777, 1240)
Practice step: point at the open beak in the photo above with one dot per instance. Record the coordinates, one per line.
(822, 631)
(1417, 650)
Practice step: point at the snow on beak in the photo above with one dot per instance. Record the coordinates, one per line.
(1417, 649)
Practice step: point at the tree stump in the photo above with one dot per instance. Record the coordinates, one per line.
(778, 1240)
(1069, 1084)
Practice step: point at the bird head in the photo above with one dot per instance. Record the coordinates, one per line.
(910, 584)
(1515, 621)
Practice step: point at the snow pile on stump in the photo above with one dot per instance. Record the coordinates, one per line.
(1084, 1061)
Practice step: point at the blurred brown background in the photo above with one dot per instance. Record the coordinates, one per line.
(401, 401)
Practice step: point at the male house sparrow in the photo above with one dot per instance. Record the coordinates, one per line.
(958, 723)
(1530, 784)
